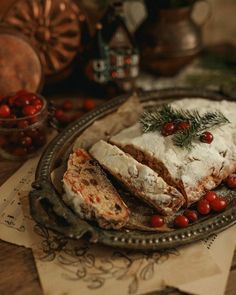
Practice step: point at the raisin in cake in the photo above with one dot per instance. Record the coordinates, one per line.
(138, 178)
(90, 194)
(191, 171)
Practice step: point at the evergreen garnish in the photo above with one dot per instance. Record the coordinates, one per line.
(154, 120)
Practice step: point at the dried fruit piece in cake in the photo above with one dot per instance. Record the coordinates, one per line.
(90, 194)
(142, 181)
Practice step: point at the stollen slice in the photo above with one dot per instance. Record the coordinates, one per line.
(90, 194)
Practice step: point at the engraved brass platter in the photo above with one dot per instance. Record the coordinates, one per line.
(48, 209)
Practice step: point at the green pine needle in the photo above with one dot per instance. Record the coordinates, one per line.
(155, 119)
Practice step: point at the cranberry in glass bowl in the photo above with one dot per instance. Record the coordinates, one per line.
(23, 124)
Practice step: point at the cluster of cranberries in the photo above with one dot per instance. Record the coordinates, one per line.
(22, 123)
(210, 202)
(170, 128)
(67, 112)
(19, 105)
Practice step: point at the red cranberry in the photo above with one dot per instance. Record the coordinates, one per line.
(67, 105)
(29, 110)
(88, 104)
(23, 124)
(5, 111)
(181, 221)
(183, 126)
(38, 104)
(60, 115)
(206, 137)
(231, 181)
(203, 207)
(210, 196)
(168, 129)
(191, 215)
(157, 221)
(218, 205)
(21, 101)
(26, 141)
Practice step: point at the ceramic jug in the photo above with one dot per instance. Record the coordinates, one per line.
(169, 38)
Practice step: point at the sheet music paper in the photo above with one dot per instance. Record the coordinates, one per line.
(13, 226)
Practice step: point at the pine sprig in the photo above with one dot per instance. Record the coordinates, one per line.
(186, 137)
(155, 119)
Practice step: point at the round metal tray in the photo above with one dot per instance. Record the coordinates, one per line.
(48, 209)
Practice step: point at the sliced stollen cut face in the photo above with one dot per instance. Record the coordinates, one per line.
(90, 194)
(142, 181)
(195, 171)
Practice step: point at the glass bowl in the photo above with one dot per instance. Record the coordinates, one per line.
(22, 138)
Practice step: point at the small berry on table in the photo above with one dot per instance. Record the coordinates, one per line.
(88, 104)
(60, 115)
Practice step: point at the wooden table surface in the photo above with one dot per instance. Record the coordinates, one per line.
(18, 274)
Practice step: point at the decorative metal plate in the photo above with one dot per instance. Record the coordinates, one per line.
(48, 209)
(52, 27)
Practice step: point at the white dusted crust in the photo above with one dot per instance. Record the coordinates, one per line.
(192, 172)
(138, 178)
(90, 194)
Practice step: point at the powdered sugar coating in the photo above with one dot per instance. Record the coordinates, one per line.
(140, 179)
(206, 164)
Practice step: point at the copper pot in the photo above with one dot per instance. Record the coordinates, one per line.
(168, 39)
